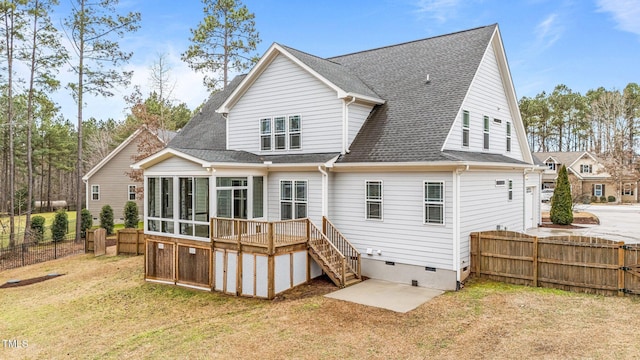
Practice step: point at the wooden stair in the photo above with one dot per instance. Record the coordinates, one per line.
(332, 260)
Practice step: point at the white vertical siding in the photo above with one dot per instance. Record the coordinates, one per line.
(483, 205)
(176, 166)
(486, 97)
(285, 89)
(401, 236)
(314, 194)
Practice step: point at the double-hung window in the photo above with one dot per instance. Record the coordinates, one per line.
(293, 199)
(508, 136)
(585, 169)
(265, 134)
(510, 193)
(373, 200)
(131, 190)
(434, 202)
(486, 133)
(281, 133)
(465, 128)
(95, 192)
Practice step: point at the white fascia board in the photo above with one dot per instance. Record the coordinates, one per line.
(163, 155)
(424, 165)
(361, 98)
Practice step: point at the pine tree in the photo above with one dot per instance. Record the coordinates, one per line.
(106, 219)
(561, 204)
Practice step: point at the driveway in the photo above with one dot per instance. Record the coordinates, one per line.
(617, 222)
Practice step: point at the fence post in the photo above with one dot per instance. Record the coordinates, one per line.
(535, 261)
(621, 264)
(479, 255)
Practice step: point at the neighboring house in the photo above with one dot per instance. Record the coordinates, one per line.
(406, 149)
(107, 183)
(587, 174)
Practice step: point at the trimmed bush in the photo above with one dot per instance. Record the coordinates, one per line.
(561, 203)
(60, 225)
(603, 199)
(594, 199)
(86, 221)
(106, 219)
(131, 215)
(611, 198)
(37, 225)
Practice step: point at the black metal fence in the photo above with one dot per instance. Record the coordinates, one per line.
(35, 252)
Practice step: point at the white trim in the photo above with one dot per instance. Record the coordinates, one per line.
(367, 200)
(135, 192)
(425, 202)
(92, 192)
(293, 198)
(468, 129)
(264, 62)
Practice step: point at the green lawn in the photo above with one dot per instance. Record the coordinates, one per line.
(20, 223)
(101, 308)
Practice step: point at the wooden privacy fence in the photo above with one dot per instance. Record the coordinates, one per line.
(130, 242)
(573, 263)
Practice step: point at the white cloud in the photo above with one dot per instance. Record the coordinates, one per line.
(439, 10)
(548, 31)
(626, 13)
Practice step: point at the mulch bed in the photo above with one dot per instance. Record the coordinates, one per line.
(11, 284)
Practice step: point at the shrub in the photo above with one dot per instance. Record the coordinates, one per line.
(60, 225)
(611, 198)
(131, 215)
(561, 204)
(86, 221)
(603, 199)
(594, 199)
(106, 219)
(37, 225)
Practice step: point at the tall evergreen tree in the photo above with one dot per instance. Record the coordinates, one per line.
(93, 28)
(561, 204)
(223, 41)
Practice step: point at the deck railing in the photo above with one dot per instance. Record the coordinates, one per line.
(352, 255)
(259, 233)
(334, 261)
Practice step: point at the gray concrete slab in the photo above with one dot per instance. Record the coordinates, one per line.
(387, 295)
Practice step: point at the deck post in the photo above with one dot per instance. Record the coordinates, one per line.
(270, 247)
(324, 225)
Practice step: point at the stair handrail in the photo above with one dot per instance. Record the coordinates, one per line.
(349, 251)
(341, 272)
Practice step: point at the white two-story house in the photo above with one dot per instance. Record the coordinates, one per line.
(402, 151)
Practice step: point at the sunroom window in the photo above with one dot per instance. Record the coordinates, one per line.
(191, 197)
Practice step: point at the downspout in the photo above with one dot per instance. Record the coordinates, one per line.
(456, 225)
(325, 190)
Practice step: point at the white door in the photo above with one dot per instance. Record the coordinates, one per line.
(528, 207)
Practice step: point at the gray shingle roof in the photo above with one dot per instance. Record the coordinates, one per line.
(335, 73)
(414, 122)
(207, 129)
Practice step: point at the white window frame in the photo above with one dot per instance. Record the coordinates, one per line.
(294, 198)
(510, 190)
(373, 200)
(595, 190)
(175, 203)
(129, 193)
(586, 168)
(465, 128)
(628, 189)
(426, 202)
(266, 134)
(486, 126)
(508, 130)
(552, 166)
(94, 192)
(282, 133)
(291, 132)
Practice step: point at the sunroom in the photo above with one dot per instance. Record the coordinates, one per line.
(239, 228)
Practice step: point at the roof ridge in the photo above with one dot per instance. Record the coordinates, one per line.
(410, 42)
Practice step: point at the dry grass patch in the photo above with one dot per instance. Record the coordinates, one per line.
(102, 308)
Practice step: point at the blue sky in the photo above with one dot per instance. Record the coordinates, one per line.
(583, 44)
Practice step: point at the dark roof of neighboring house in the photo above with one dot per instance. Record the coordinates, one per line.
(413, 123)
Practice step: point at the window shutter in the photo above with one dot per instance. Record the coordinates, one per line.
(593, 190)
(603, 192)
